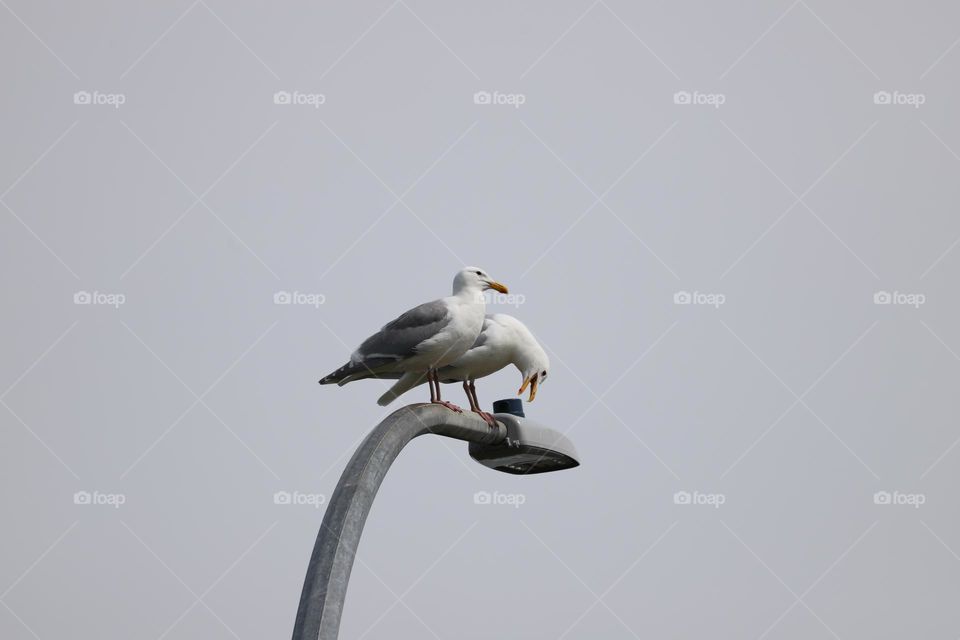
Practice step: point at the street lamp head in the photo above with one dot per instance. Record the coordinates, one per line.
(529, 447)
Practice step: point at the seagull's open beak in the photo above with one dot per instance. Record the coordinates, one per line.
(532, 381)
(496, 286)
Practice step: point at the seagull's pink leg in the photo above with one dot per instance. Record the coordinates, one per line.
(475, 404)
(433, 393)
(437, 400)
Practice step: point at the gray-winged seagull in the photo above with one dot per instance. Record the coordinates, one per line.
(503, 341)
(425, 338)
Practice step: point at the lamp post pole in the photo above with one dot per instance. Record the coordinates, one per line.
(325, 586)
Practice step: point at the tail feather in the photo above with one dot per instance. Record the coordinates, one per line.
(337, 375)
(406, 382)
(363, 375)
(355, 371)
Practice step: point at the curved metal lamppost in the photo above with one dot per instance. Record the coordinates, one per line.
(516, 445)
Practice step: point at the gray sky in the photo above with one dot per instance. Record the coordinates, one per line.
(789, 169)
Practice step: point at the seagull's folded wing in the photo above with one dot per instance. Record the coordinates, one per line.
(395, 342)
(400, 338)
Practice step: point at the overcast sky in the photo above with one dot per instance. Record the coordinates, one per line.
(733, 228)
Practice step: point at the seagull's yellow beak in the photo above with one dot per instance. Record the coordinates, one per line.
(532, 381)
(496, 286)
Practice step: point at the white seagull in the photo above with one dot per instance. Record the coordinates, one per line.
(503, 341)
(425, 338)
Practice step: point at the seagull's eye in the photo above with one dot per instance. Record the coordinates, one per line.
(543, 375)
(479, 274)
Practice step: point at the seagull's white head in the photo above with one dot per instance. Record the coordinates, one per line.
(528, 356)
(474, 279)
(534, 366)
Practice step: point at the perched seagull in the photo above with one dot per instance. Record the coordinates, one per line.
(503, 341)
(425, 338)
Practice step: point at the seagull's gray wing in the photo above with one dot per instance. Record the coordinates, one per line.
(396, 341)
(399, 339)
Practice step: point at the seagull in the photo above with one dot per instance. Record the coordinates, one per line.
(503, 341)
(425, 338)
